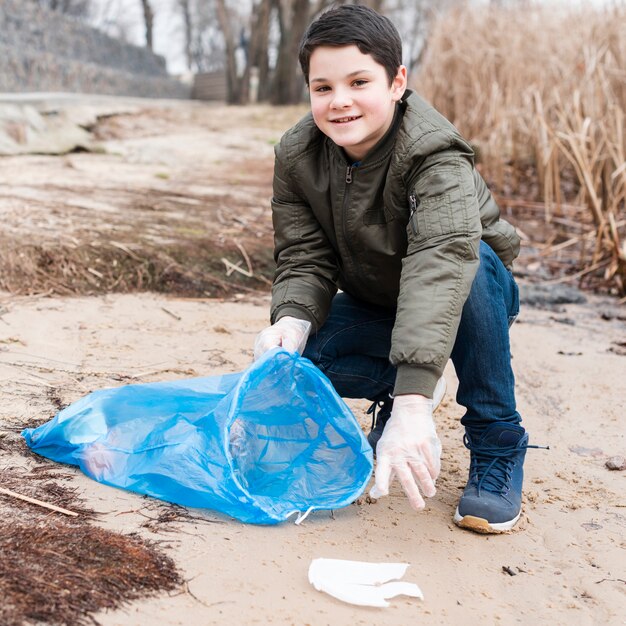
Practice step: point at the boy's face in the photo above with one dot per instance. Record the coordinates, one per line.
(351, 99)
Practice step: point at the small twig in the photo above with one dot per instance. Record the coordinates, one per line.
(176, 317)
(551, 249)
(148, 373)
(46, 505)
(42, 357)
(124, 248)
(38, 379)
(587, 270)
(245, 256)
(231, 267)
(612, 580)
(195, 597)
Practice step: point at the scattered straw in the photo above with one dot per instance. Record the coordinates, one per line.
(187, 268)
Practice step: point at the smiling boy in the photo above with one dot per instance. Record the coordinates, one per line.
(391, 258)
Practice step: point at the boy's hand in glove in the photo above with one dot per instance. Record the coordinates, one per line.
(288, 332)
(409, 449)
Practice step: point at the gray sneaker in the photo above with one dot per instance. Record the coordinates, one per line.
(492, 499)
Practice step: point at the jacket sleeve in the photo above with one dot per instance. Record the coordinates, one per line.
(306, 265)
(501, 237)
(443, 235)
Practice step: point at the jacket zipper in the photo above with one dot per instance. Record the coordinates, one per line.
(349, 174)
(346, 202)
(413, 208)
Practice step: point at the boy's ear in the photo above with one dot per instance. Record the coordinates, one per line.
(398, 85)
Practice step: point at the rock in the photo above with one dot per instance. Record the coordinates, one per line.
(550, 296)
(24, 130)
(616, 463)
(613, 314)
(618, 347)
(564, 320)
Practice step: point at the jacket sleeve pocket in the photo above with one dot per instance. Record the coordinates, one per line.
(442, 205)
(432, 217)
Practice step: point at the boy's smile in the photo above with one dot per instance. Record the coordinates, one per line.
(351, 99)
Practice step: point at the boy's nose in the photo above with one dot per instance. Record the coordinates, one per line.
(341, 99)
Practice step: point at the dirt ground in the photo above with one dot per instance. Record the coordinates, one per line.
(184, 176)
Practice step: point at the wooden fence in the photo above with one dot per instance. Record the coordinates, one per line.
(210, 86)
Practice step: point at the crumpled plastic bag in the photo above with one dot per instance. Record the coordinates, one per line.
(259, 445)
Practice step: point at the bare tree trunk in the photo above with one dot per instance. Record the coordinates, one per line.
(184, 7)
(232, 81)
(258, 55)
(148, 18)
(293, 18)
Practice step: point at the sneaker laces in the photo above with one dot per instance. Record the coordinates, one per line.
(492, 466)
(377, 404)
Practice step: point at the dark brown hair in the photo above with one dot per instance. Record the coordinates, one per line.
(348, 25)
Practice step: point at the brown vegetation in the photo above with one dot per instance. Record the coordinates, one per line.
(193, 267)
(542, 91)
(60, 573)
(56, 570)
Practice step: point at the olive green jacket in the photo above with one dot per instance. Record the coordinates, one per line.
(399, 229)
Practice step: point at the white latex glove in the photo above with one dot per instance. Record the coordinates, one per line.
(288, 332)
(409, 449)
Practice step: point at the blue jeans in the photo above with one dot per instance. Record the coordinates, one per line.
(352, 347)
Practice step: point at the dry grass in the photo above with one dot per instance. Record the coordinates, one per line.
(544, 89)
(194, 268)
(149, 239)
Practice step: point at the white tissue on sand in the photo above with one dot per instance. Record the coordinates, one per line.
(357, 582)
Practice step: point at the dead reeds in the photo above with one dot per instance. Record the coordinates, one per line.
(543, 89)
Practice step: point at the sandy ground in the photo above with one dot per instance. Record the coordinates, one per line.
(567, 553)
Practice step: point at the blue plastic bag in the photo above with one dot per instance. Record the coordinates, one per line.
(258, 445)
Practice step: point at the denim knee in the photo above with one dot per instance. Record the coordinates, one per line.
(494, 280)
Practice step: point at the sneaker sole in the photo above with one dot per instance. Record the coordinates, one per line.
(481, 525)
